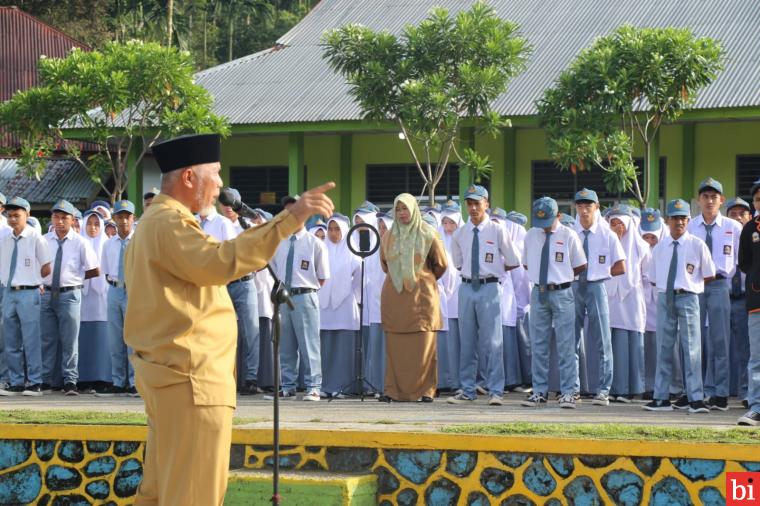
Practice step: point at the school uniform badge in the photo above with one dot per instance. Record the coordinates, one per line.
(559, 256)
(489, 258)
(690, 268)
(727, 249)
(755, 237)
(602, 259)
(304, 265)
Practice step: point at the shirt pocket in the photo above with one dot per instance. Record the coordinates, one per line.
(601, 257)
(727, 254)
(558, 253)
(693, 267)
(490, 254)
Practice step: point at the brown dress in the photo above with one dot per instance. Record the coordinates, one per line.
(410, 320)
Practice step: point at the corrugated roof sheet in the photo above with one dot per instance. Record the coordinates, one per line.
(62, 179)
(292, 82)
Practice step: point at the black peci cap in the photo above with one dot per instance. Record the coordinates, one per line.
(186, 151)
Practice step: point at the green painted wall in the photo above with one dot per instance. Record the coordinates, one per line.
(716, 146)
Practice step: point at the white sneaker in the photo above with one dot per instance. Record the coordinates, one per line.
(523, 390)
(567, 401)
(459, 399)
(495, 400)
(623, 399)
(311, 395)
(482, 391)
(601, 400)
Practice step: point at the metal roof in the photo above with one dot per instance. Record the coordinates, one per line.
(62, 179)
(293, 83)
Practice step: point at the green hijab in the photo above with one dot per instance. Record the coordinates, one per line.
(407, 246)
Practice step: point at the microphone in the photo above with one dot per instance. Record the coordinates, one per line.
(231, 197)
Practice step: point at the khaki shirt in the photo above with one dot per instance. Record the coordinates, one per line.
(180, 321)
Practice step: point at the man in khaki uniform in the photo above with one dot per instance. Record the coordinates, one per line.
(180, 321)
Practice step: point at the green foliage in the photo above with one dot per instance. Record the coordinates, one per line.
(122, 98)
(430, 78)
(625, 85)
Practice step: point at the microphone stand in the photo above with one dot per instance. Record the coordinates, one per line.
(280, 295)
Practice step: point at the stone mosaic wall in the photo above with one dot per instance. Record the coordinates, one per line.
(440, 477)
(73, 473)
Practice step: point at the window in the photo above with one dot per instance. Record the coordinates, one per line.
(385, 182)
(747, 172)
(549, 180)
(260, 186)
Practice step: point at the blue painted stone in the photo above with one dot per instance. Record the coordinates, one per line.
(669, 492)
(13, 452)
(582, 492)
(751, 466)
(699, 469)
(711, 496)
(289, 461)
(21, 486)
(124, 448)
(416, 466)
(647, 465)
(71, 451)
(517, 500)
(624, 487)
(442, 492)
(128, 478)
(496, 481)
(45, 449)
(71, 500)
(62, 478)
(562, 464)
(98, 446)
(98, 489)
(386, 481)
(100, 466)
(537, 478)
(461, 464)
(478, 499)
(513, 460)
(407, 497)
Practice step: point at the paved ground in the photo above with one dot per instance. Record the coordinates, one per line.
(371, 415)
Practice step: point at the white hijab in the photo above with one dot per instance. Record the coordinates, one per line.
(456, 217)
(369, 219)
(99, 283)
(635, 249)
(342, 263)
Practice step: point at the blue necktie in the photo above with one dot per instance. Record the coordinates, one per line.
(583, 276)
(56, 284)
(121, 259)
(543, 273)
(14, 257)
(475, 260)
(289, 262)
(671, 284)
(708, 237)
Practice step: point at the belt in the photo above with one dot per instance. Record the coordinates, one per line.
(489, 279)
(64, 289)
(720, 276)
(681, 291)
(241, 280)
(554, 288)
(300, 291)
(117, 284)
(24, 287)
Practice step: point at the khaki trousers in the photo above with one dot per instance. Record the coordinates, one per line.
(187, 455)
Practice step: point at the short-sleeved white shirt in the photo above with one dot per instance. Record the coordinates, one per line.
(693, 266)
(109, 262)
(217, 226)
(565, 254)
(77, 257)
(725, 242)
(496, 248)
(604, 250)
(31, 255)
(310, 263)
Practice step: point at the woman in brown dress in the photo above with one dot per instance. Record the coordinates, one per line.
(413, 257)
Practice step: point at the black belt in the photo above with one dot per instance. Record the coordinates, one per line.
(720, 276)
(24, 287)
(241, 280)
(117, 284)
(681, 291)
(554, 288)
(64, 289)
(300, 291)
(490, 279)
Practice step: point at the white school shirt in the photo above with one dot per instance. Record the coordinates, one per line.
(339, 296)
(604, 249)
(725, 242)
(217, 226)
(31, 255)
(309, 260)
(77, 257)
(497, 251)
(452, 288)
(374, 278)
(264, 284)
(109, 262)
(693, 266)
(237, 229)
(565, 254)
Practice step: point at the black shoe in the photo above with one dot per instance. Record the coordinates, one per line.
(658, 405)
(131, 392)
(70, 389)
(698, 407)
(716, 402)
(751, 418)
(46, 388)
(745, 403)
(425, 398)
(11, 391)
(682, 403)
(32, 390)
(250, 388)
(110, 391)
(385, 398)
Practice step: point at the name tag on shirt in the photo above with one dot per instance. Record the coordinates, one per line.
(602, 259)
(559, 256)
(727, 249)
(489, 258)
(304, 265)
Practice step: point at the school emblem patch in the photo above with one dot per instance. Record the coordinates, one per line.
(650, 218)
(678, 204)
(559, 256)
(755, 237)
(602, 259)
(489, 258)
(690, 268)
(304, 265)
(540, 214)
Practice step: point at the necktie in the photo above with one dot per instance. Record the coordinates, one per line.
(736, 284)
(14, 257)
(583, 276)
(475, 260)
(543, 273)
(289, 262)
(121, 258)
(671, 284)
(708, 237)
(56, 284)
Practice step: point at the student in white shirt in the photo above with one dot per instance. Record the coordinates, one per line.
(74, 261)
(24, 261)
(552, 256)
(681, 265)
(721, 235)
(451, 221)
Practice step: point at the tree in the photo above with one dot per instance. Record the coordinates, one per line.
(625, 85)
(431, 78)
(123, 99)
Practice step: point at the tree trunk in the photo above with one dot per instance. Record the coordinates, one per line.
(229, 47)
(647, 170)
(205, 40)
(431, 193)
(169, 22)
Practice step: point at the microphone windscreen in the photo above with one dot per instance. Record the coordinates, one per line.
(230, 197)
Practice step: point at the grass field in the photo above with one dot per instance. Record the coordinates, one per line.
(86, 417)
